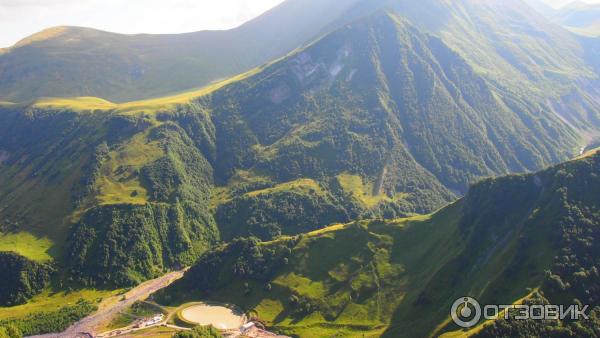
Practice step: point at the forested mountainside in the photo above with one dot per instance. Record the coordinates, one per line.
(63, 167)
(382, 101)
(21, 278)
(520, 50)
(505, 41)
(374, 120)
(507, 237)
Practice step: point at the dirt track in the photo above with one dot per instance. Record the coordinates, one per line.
(88, 326)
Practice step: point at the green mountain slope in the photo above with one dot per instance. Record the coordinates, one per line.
(402, 99)
(87, 198)
(399, 278)
(373, 78)
(505, 41)
(519, 50)
(374, 120)
(86, 62)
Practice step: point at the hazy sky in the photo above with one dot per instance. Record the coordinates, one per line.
(21, 18)
(560, 3)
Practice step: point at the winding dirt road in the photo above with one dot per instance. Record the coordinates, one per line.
(110, 307)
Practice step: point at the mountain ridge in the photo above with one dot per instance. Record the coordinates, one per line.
(375, 120)
(192, 59)
(471, 17)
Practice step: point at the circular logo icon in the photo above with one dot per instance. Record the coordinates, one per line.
(466, 312)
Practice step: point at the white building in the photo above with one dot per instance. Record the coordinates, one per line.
(247, 326)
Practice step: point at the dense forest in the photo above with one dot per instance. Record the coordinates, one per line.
(242, 258)
(124, 244)
(271, 214)
(21, 279)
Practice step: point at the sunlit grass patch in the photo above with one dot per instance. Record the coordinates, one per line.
(78, 104)
(305, 185)
(150, 106)
(49, 300)
(364, 191)
(27, 245)
(120, 181)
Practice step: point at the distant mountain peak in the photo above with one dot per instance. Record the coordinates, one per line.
(45, 34)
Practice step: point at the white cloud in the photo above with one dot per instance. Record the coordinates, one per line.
(20, 18)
